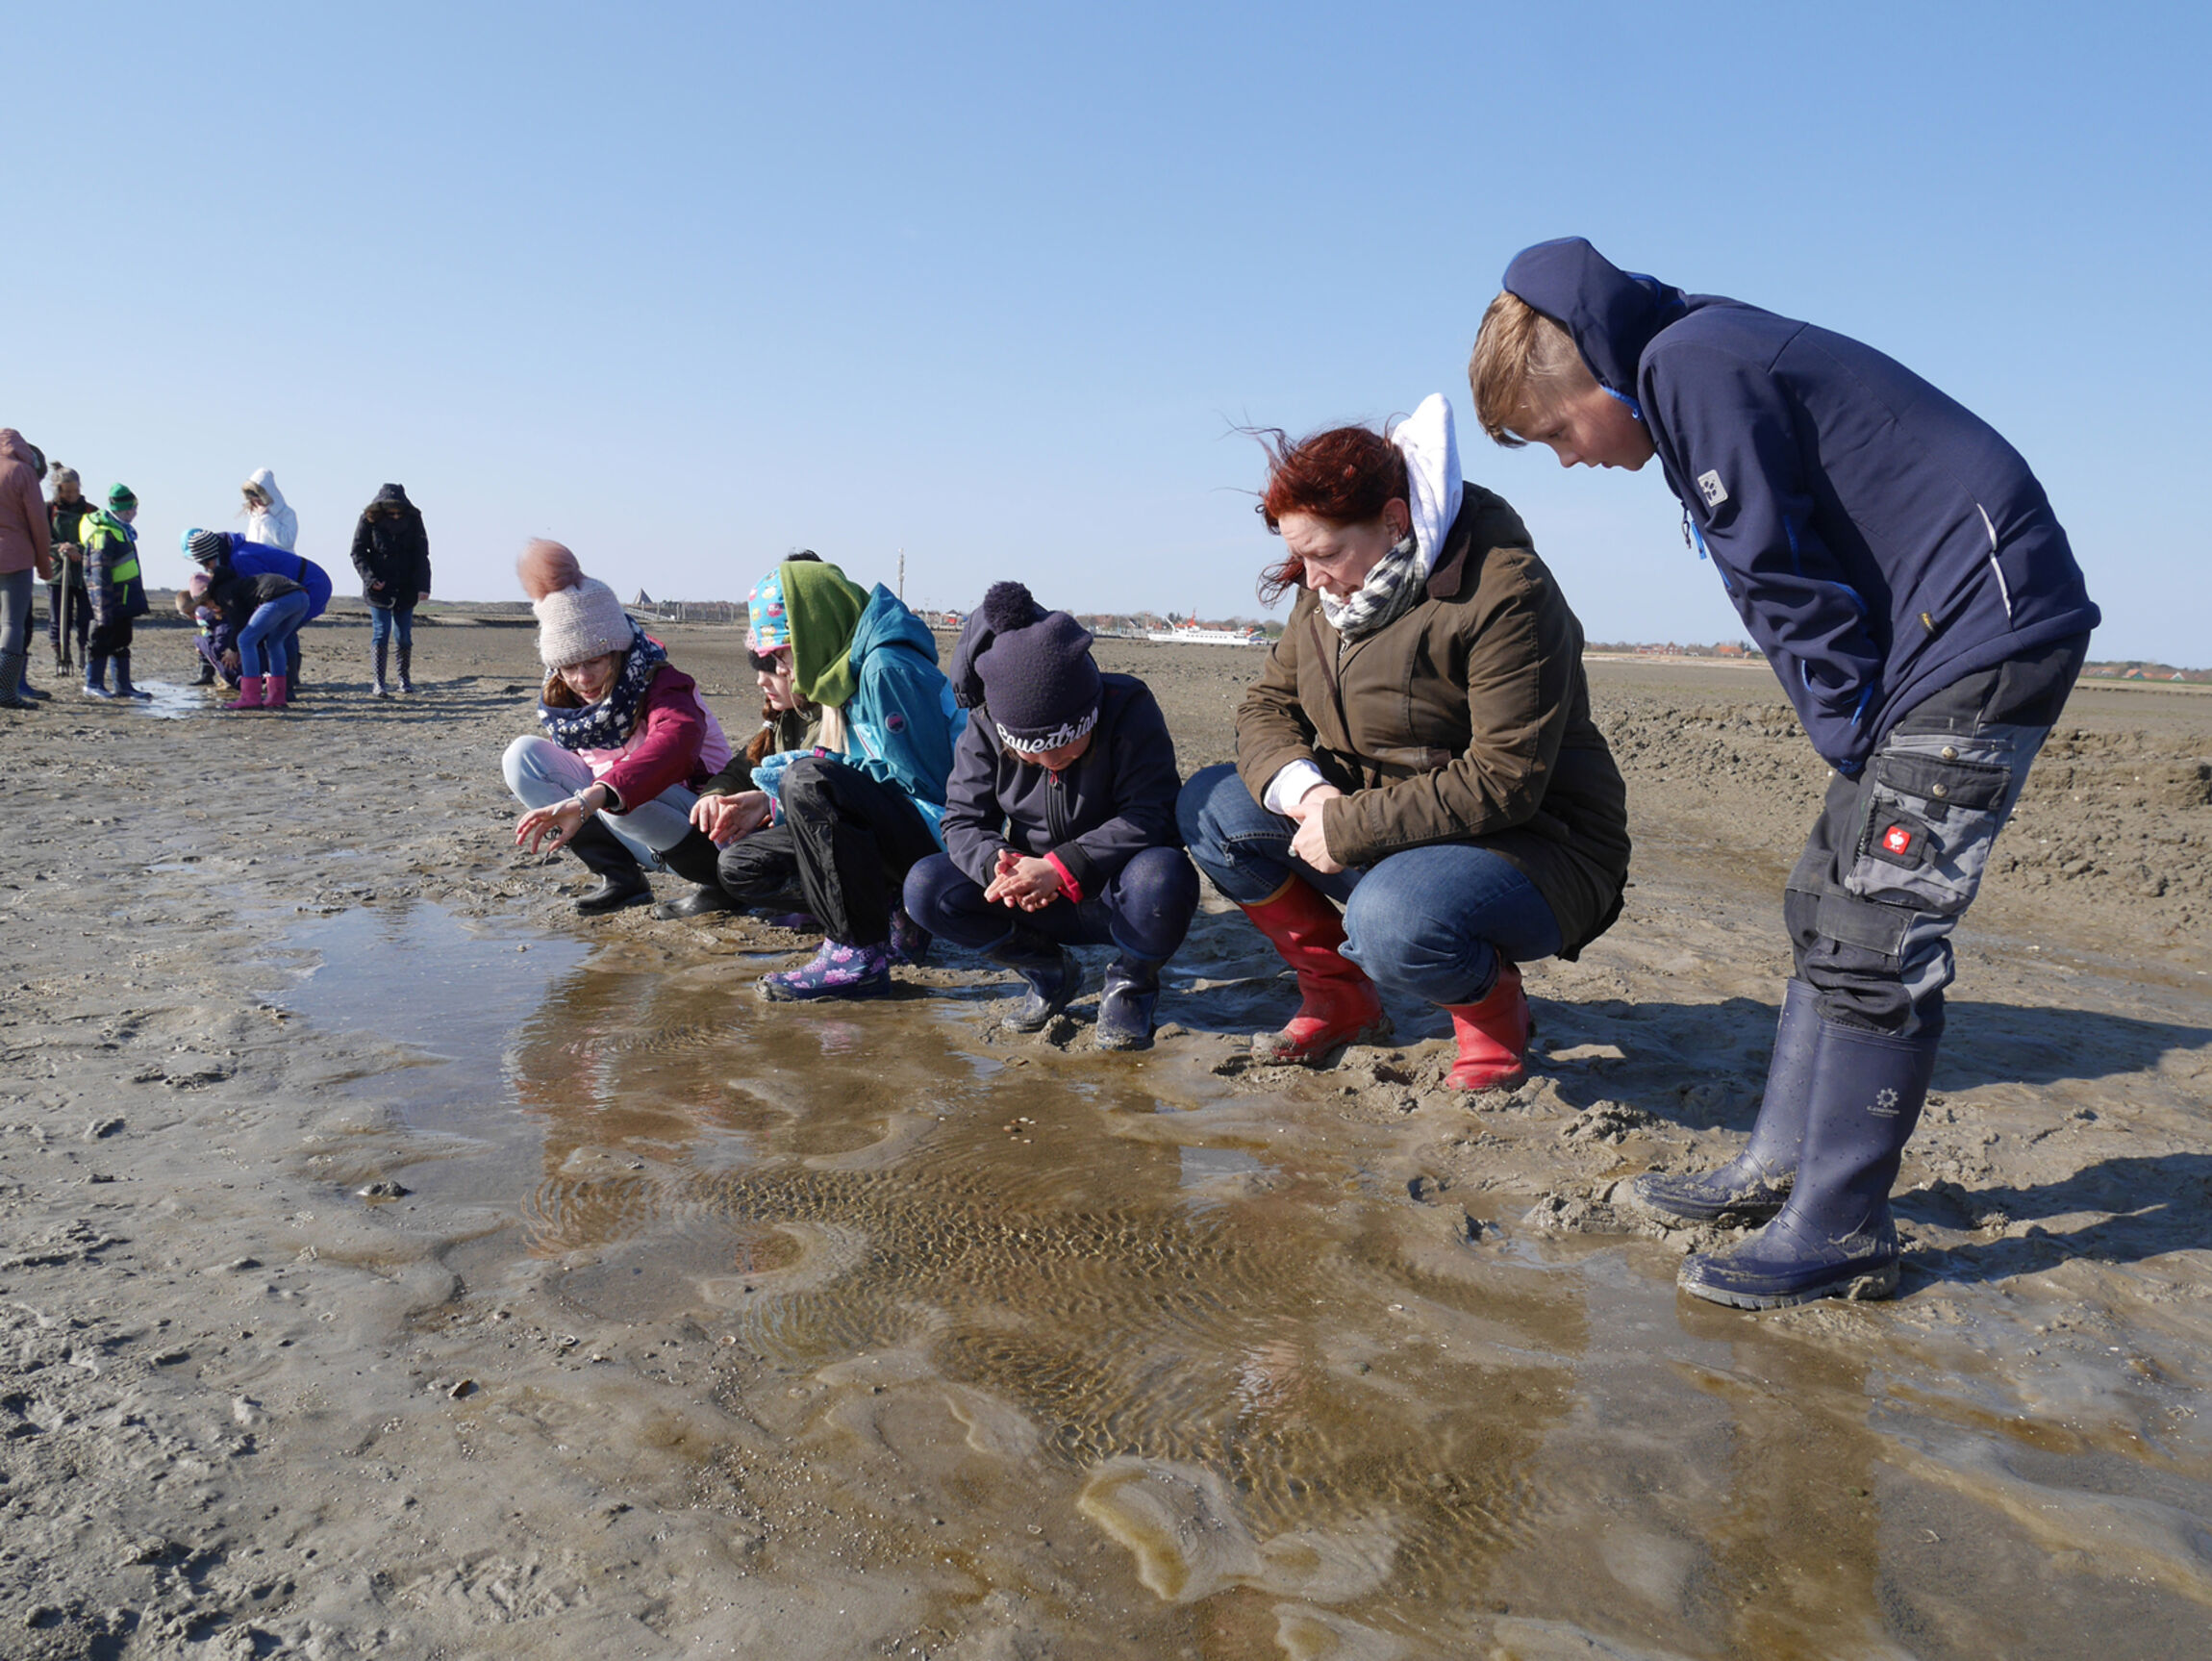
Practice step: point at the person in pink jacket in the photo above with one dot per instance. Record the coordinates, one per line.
(25, 553)
(625, 742)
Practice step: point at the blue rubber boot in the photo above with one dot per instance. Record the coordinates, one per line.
(1048, 968)
(123, 687)
(1752, 1187)
(835, 970)
(96, 675)
(1125, 1007)
(1834, 1237)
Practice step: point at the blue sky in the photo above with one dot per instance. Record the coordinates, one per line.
(688, 286)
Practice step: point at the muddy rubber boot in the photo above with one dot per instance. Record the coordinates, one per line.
(608, 856)
(1492, 1034)
(96, 676)
(1336, 1003)
(10, 677)
(249, 694)
(694, 858)
(406, 669)
(1126, 1006)
(910, 942)
(381, 653)
(123, 687)
(1753, 1185)
(1834, 1236)
(206, 676)
(1048, 968)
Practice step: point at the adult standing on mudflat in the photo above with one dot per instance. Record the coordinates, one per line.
(392, 552)
(25, 555)
(1904, 573)
(68, 605)
(1419, 749)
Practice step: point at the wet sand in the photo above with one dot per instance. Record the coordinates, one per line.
(393, 1263)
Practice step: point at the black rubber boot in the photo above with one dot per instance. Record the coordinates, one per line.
(1752, 1187)
(694, 858)
(1050, 969)
(1834, 1237)
(206, 677)
(96, 675)
(381, 652)
(406, 668)
(1125, 1007)
(608, 856)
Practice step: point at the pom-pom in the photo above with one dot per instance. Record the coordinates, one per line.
(546, 567)
(1009, 606)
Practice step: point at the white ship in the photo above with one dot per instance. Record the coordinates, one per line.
(1190, 635)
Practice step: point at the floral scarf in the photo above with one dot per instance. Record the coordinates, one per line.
(1389, 592)
(607, 725)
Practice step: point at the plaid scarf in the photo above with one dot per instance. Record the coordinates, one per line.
(1389, 592)
(607, 725)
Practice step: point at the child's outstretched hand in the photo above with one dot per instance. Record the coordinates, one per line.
(555, 826)
(1028, 883)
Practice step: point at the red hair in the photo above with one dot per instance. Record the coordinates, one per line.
(1340, 476)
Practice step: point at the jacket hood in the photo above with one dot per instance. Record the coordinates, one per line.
(396, 494)
(266, 481)
(16, 447)
(1611, 314)
(887, 622)
(1431, 449)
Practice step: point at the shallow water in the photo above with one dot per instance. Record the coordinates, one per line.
(1182, 1371)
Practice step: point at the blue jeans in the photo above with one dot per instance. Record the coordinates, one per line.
(268, 633)
(1144, 908)
(1429, 923)
(383, 620)
(541, 772)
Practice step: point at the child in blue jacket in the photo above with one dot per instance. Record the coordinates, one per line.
(1906, 577)
(844, 821)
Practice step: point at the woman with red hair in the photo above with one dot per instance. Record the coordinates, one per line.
(1418, 751)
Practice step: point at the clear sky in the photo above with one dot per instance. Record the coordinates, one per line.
(688, 286)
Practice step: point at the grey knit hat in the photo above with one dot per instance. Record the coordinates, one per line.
(207, 546)
(585, 622)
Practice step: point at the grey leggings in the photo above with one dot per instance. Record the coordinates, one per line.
(15, 612)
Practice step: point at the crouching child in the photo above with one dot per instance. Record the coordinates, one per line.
(1059, 820)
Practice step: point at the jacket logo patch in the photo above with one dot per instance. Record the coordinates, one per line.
(1714, 492)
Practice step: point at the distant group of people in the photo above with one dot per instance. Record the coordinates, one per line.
(249, 599)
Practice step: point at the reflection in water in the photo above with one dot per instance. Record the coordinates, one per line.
(1298, 1415)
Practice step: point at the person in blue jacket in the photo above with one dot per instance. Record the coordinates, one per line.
(1902, 570)
(846, 819)
(213, 549)
(1059, 822)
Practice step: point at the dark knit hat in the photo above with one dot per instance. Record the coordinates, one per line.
(121, 496)
(1038, 682)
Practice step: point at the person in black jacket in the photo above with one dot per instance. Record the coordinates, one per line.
(1059, 820)
(392, 552)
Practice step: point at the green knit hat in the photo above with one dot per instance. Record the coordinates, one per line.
(121, 496)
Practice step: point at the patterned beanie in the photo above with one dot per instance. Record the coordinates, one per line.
(585, 622)
(1038, 681)
(767, 620)
(205, 546)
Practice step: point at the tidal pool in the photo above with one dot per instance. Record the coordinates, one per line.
(1172, 1369)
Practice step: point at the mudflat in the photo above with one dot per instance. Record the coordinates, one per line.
(392, 1263)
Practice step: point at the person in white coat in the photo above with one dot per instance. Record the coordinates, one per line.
(270, 520)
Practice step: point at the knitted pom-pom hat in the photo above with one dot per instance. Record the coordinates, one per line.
(578, 617)
(1038, 681)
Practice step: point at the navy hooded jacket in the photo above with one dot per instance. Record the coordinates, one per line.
(1879, 540)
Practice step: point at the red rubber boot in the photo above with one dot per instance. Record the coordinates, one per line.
(272, 692)
(1493, 1035)
(249, 694)
(1336, 1003)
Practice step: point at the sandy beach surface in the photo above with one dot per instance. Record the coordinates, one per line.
(392, 1263)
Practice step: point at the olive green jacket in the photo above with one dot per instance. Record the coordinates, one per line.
(1466, 719)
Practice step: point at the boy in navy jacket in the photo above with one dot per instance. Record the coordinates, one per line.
(1906, 577)
(1059, 820)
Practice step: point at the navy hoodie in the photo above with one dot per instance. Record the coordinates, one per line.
(1879, 540)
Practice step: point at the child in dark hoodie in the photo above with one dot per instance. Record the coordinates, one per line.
(1059, 820)
(1904, 573)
